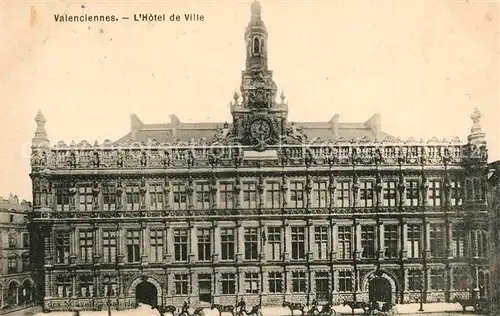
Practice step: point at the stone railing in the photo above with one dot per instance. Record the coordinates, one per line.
(201, 154)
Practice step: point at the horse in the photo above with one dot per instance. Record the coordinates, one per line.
(357, 305)
(170, 309)
(295, 307)
(255, 311)
(465, 302)
(185, 311)
(223, 308)
(326, 309)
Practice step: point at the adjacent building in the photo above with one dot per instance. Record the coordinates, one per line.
(259, 208)
(17, 288)
(494, 209)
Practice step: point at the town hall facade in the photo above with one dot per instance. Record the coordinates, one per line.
(259, 208)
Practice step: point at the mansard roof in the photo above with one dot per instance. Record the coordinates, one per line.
(183, 131)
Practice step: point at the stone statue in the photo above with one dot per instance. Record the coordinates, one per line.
(296, 133)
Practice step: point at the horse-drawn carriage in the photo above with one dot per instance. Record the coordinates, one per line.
(372, 308)
(315, 310)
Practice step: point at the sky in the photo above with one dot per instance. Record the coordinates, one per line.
(423, 65)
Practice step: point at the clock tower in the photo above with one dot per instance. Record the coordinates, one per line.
(258, 119)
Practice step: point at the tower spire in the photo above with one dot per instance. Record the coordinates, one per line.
(256, 39)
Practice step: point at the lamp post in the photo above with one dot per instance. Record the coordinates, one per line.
(109, 299)
(421, 288)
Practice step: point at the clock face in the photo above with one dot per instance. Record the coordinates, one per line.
(260, 130)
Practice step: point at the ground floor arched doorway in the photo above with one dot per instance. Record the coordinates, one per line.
(146, 293)
(380, 290)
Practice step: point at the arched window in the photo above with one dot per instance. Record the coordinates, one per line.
(12, 240)
(12, 294)
(261, 45)
(256, 46)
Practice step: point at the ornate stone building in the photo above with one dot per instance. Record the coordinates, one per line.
(16, 284)
(494, 210)
(260, 208)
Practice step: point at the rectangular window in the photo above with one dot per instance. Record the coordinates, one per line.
(434, 193)
(227, 243)
(298, 282)
(62, 247)
(252, 283)
(156, 245)
(156, 196)
(415, 282)
(391, 241)
(275, 282)
(322, 286)
(251, 251)
(298, 243)
(64, 286)
(273, 195)
(437, 279)
(321, 243)
(461, 279)
(86, 286)
(180, 196)
(181, 284)
(344, 242)
(86, 198)
(110, 284)
(320, 194)
(109, 196)
(249, 195)
(228, 283)
(133, 254)
(204, 244)
(458, 242)
(226, 195)
(342, 193)
(203, 196)
(389, 197)
(86, 246)
(414, 238)
(274, 243)
(456, 193)
(437, 240)
(180, 244)
(345, 281)
(109, 245)
(26, 240)
(296, 194)
(412, 193)
(366, 194)
(132, 194)
(62, 198)
(368, 241)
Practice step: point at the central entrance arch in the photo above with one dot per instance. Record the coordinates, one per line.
(380, 290)
(146, 293)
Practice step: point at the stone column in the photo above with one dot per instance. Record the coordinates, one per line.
(335, 280)
(216, 243)
(334, 240)
(144, 244)
(288, 279)
(193, 242)
(261, 241)
(381, 240)
(357, 231)
(450, 240)
(405, 241)
(169, 244)
(121, 251)
(288, 241)
(428, 239)
(310, 242)
(240, 240)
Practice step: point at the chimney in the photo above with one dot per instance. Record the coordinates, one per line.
(334, 125)
(374, 125)
(135, 125)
